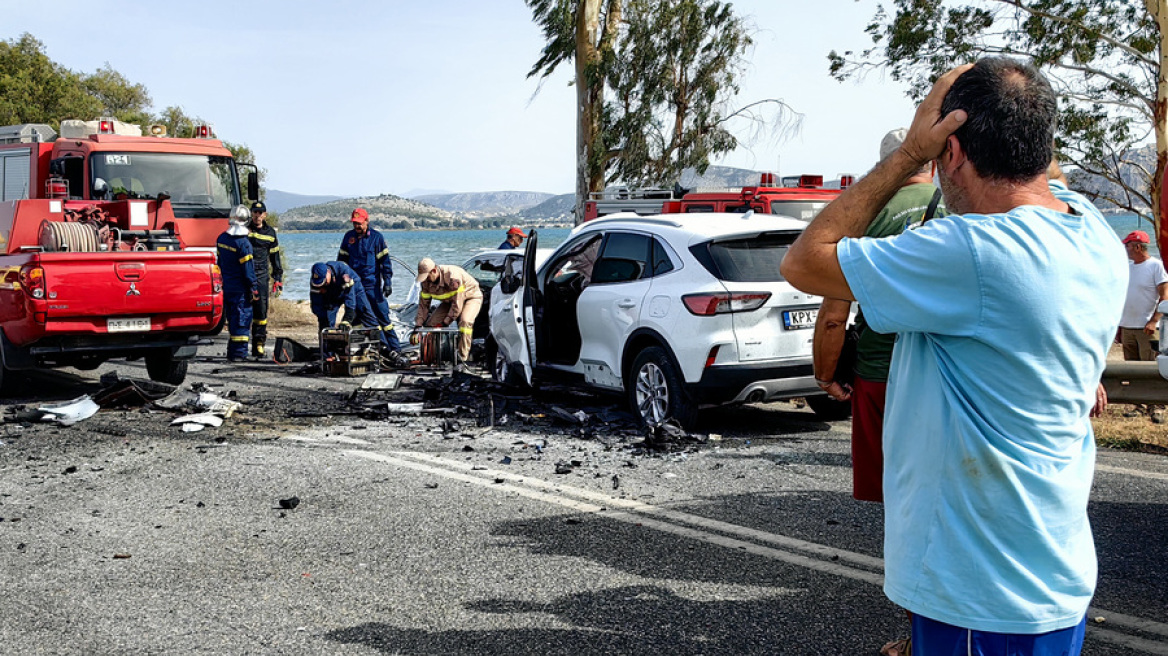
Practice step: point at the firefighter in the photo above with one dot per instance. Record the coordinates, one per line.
(365, 250)
(458, 295)
(240, 287)
(265, 246)
(335, 285)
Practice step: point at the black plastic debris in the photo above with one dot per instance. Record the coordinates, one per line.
(564, 468)
(506, 460)
(289, 350)
(289, 503)
(129, 392)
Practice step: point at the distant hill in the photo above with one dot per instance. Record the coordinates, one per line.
(282, 201)
(387, 212)
(486, 204)
(555, 208)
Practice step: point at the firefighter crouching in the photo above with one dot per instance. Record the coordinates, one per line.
(335, 285)
(265, 246)
(458, 295)
(240, 287)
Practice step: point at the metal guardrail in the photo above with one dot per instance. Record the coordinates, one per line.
(1134, 382)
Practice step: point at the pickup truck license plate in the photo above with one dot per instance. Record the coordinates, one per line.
(128, 325)
(797, 319)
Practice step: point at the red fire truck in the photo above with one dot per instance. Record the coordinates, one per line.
(107, 244)
(800, 197)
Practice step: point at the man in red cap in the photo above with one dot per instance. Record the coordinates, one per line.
(514, 239)
(365, 251)
(1147, 285)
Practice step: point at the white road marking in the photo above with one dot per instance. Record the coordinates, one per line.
(1131, 472)
(643, 514)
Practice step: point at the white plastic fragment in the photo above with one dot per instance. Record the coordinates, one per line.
(69, 412)
(203, 418)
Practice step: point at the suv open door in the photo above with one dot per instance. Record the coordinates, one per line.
(513, 303)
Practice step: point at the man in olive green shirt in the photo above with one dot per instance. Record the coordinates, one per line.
(874, 350)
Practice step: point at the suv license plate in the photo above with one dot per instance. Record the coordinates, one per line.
(129, 325)
(798, 319)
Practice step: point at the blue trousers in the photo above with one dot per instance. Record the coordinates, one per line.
(933, 638)
(237, 306)
(379, 307)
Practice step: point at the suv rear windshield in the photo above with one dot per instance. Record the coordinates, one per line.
(798, 209)
(745, 259)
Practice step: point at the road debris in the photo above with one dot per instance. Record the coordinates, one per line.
(69, 412)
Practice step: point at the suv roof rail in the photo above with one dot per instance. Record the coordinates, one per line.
(632, 217)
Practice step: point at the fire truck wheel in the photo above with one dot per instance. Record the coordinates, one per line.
(163, 368)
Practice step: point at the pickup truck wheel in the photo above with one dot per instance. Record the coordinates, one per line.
(828, 409)
(655, 391)
(163, 368)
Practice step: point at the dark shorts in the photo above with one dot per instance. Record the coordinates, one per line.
(868, 439)
(933, 638)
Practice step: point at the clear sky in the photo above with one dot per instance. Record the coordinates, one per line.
(361, 97)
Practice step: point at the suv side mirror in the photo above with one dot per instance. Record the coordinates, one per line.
(509, 283)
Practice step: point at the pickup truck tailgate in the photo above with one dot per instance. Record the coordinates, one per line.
(173, 289)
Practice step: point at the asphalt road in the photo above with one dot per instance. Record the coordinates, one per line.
(123, 535)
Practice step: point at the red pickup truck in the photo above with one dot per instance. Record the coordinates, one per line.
(106, 246)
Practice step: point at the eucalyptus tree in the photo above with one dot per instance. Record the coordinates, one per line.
(654, 80)
(1105, 58)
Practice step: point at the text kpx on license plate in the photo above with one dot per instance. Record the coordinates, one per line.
(128, 325)
(798, 319)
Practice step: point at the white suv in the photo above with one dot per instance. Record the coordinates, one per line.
(675, 311)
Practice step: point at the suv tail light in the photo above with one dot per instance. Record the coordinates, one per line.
(32, 280)
(705, 305)
(216, 279)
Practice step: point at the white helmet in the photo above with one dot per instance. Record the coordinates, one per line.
(239, 218)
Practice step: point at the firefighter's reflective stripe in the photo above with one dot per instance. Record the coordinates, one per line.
(443, 297)
(227, 248)
(238, 338)
(343, 252)
(276, 249)
(245, 258)
(384, 253)
(256, 235)
(260, 323)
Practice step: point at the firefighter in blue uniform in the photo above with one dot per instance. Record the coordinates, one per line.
(240, 287)
(365, 250)
(269, 270)
(336, 285)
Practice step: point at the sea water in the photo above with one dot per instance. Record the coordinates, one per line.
(406, 247)
(303, 249)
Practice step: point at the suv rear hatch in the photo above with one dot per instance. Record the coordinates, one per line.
(782, 327)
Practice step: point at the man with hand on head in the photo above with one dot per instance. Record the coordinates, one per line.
(1004, 312)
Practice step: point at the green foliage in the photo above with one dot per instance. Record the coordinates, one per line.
(34, 89)
(667, 74)
(119, 97)
(1102, 57)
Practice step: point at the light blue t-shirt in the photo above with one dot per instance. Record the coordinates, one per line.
(1004, 324)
